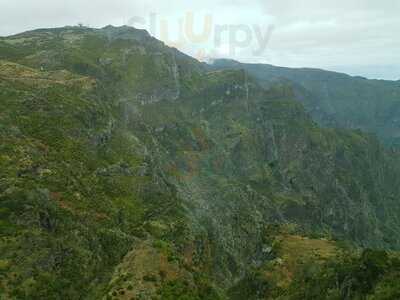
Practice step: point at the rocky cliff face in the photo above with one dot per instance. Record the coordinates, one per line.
(244, 159)
(335, 99)
(132, 171)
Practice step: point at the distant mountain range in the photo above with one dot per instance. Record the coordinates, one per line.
(336, 99)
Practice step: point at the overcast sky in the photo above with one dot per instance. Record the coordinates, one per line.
(360, 37)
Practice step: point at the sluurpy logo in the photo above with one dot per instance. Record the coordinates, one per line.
(204, 37)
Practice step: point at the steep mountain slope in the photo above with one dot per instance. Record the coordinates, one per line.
(75, 191)
(335, 99)
(130, 171)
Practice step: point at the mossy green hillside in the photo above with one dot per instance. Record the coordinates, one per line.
(128, 170)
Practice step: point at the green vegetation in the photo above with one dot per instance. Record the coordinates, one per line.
(371, 275)
(128, 171)
(335, 99)
(71, 197)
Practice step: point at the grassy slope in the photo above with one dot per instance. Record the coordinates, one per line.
(79, 191)
(75, 190)
(307, 268)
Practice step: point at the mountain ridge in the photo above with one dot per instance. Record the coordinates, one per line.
(339, 100)
(238, 63)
